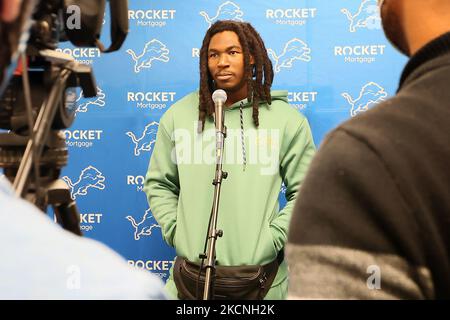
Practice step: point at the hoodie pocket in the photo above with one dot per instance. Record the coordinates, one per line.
(174, 240)
(269, 238)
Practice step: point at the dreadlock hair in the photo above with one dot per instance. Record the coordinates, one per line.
(259, 76)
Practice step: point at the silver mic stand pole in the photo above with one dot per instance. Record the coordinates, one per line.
(213, 233)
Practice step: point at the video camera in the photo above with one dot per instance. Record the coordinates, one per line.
(37, 93)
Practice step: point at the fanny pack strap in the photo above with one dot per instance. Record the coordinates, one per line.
(271, 270)
(280, 257)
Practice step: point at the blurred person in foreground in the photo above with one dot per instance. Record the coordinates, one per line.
(374, 217)
(40, 260)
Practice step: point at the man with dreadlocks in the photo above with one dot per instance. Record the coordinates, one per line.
(268, 142)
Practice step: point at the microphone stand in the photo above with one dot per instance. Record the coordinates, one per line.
(213, 233)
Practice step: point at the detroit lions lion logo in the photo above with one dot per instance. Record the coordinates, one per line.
(226, 11)
(368, 16)
(145, 226)
(371, 94)
(294, 49)
(98, 101)
(146, 140)
(154, 50)
(90, 177)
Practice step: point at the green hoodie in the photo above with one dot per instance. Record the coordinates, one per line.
(180, 191)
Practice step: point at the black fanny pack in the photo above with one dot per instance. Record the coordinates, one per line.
(230, 282)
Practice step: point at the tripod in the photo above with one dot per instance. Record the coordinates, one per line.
(34, 161)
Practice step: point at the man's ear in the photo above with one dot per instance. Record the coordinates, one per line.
(252, 60)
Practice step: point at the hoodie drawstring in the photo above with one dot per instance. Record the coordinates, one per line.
(244, 157)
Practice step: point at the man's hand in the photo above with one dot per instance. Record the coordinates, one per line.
(9, 10)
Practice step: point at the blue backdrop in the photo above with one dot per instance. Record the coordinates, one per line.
(342, 65)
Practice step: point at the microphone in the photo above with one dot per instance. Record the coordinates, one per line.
(219, 97)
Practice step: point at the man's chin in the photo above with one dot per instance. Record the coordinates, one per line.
(229, 87)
